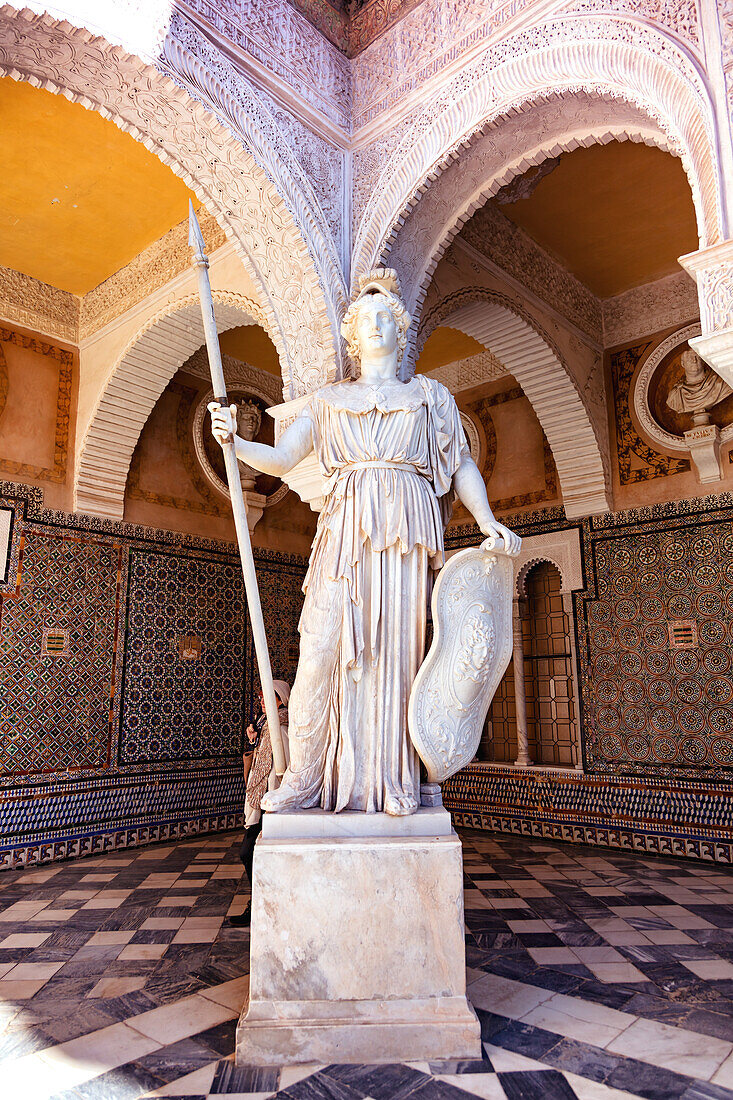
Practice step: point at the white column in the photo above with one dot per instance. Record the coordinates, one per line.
(712, 269)
(520, 701)
(567, 604)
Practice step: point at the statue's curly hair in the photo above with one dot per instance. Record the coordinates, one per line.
(394, 305)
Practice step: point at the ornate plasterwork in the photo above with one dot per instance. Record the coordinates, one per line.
(716, 296)
(649, 308)
(331, 19)
(637, 461)
(261, 383)
(464, 374)
(265, 385)
(38, 306)
(712, 268)
(152, 268)
(203, 118)
(199, 421)
(135, 383)
(630, 63)
(561, 549)
(539, 370)
(434, 36)
(286, 44)
(323, 164)
(503, 150)
(514, 251)
(372, 18)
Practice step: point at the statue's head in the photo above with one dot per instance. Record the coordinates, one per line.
(376, 322)
(692, 365)
(249, 419)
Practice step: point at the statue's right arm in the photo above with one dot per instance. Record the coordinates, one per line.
(295, 443)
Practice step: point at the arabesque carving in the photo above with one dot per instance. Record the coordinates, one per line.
(632, 64)
(152, 268)
(649, 308)
(38, 306)
(439, 31)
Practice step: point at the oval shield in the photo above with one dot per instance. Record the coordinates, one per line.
(472, 646)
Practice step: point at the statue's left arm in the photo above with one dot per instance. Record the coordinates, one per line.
(471, 491)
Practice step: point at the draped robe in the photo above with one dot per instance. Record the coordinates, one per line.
(388, 453)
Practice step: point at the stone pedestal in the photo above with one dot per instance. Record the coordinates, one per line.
(357, 943)
(704, 443)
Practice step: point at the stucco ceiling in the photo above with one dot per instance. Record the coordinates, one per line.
(616, 215)
(78, 197)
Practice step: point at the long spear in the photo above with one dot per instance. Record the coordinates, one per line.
(200, 262)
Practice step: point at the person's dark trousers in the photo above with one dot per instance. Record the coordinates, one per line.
(246, 852)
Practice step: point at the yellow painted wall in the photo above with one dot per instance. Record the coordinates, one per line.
(79, 198)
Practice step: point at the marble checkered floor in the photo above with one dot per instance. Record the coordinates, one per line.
(596, 975)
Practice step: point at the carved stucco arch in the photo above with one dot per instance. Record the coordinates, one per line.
(650, 90)
(201, 118)
(136, 381)
(520, 582)
(530, 357)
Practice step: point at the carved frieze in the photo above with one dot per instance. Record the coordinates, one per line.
(513, 250)
(286, 44)
(38, 306)
(649, 308)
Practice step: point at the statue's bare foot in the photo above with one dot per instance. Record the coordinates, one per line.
(284, 798)
(399, 805)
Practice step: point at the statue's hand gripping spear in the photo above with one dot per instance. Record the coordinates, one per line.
(200, 262)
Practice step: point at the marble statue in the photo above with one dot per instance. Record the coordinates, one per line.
(392, 454)
(700, 391)
(249, 419)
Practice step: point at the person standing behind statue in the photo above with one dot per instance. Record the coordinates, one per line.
(259, 774)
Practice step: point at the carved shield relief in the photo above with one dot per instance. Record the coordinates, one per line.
(472, 646)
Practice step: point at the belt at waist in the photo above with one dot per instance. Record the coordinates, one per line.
(377, 465)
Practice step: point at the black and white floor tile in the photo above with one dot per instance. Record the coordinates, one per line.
(596, 975)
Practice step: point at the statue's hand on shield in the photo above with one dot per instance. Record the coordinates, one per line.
(223, 422)
(496, 532)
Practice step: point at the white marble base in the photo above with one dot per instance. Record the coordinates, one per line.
(357, 947)
(426, 821)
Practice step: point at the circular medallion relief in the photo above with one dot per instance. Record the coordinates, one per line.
(472, 435)
(673, 387)
(252, 423)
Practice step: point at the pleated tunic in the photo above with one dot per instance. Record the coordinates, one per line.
(388, 453)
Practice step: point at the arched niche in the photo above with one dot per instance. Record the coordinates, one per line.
(135, 383)
(188, 105)
(529, 357)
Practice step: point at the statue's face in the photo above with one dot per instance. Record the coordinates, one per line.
(693, 366)
(248, 420)
(376, 328)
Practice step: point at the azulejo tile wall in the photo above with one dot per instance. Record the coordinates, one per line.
(651, 700)
(127, 680)
(656, 706)
(128, 674)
